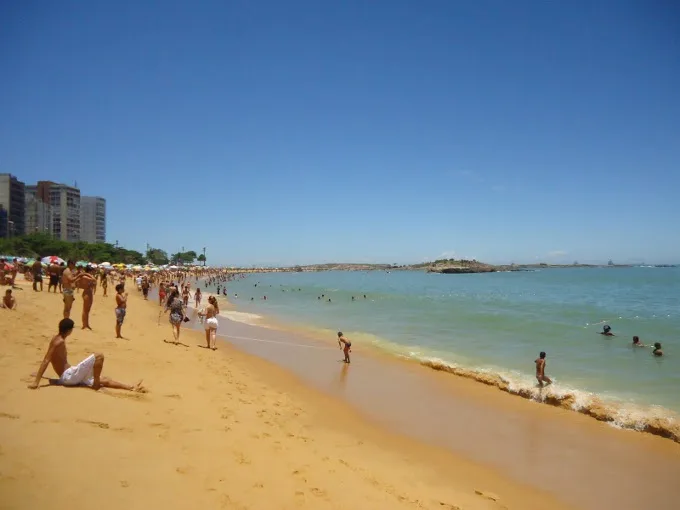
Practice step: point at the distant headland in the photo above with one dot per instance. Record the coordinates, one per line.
(441, 266)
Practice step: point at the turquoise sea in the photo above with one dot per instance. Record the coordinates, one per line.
(495, 325)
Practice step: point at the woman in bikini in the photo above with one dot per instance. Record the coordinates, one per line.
(211, 322)
(197, 297)
(185, 295)
(87, 283)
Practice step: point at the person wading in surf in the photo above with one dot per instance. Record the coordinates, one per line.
(540, 370)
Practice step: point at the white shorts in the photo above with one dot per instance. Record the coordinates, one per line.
(80, 374)
(211, 323)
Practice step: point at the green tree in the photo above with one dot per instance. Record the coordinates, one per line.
(201, 258)
(157, 256)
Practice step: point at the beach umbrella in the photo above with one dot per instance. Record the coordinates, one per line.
(81, 263)
(105, 264)
(52, 259)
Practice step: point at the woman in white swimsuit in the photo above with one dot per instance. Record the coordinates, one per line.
(211, 322)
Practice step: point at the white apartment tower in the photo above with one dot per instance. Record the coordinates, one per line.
(93, 219)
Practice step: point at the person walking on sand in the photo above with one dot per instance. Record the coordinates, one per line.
(176, 308)
(185, 295)
(540, 370)
(121, 308)
(345, 345)
(104, 282)
(86, 373)
(161, 294)
(145, 288)
(197, 298)
(211, 322)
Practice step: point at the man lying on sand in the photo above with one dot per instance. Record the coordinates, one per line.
(86, 373)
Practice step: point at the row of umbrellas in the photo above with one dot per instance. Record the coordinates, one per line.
(53, 259)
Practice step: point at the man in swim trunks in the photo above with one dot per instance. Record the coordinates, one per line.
(67, 279)
(36, 269)
(121, 307)
(345, 345)
(86, 373)
(540, 370)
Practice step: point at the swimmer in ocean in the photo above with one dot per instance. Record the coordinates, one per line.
(657, 349)
(540, 370)
(345, 345)
(637, 343)
(607, 330)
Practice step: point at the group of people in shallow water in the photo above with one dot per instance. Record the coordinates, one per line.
(657, 351)
(606, 331)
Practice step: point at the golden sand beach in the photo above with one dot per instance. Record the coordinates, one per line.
(217, 429)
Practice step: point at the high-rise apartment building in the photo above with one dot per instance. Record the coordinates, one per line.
(93, 219)
(38, 213)
(65, 203)
(12, 206)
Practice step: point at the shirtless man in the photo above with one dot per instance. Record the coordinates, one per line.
(53, 271)
(540, 370)
(67, 282)
(121, 307)
(86, 373)
(345, 345)
(8, 301)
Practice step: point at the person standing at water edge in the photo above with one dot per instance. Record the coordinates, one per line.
(540, 370)
(121, 308)
(345, 345)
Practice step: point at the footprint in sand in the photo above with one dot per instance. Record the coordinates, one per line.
(97, 424)
(487, 495)
(448, 506)
(9, 416)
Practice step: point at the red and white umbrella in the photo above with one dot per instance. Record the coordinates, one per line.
(53, 260)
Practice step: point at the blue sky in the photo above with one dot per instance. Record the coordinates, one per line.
(388, 131)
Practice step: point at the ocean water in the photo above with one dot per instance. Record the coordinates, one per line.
(491, 327)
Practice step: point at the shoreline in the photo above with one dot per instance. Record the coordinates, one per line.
(218, 429)
(570, 441)
(649, 419)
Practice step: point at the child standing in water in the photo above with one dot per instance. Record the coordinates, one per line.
(347, 345)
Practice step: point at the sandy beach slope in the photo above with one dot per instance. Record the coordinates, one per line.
(217, 430)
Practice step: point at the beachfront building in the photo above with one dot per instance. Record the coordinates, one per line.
(93, 219)
(65, 204)
(12, 207)
(38, 213)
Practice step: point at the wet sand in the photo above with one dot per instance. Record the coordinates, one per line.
(582, 462)
(218, 429)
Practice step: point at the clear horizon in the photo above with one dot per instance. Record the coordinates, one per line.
(397, 131)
